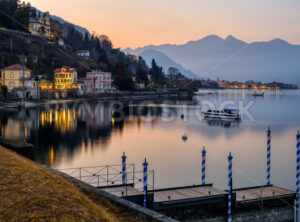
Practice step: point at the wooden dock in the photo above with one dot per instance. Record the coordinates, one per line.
(203, 194)
(184, 193)
(254, 195)
(128, 192)
(122, 190)
(185, 196)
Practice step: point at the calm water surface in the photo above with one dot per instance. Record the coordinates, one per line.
(91, 134)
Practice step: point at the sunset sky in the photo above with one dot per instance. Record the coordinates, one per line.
(134, 23)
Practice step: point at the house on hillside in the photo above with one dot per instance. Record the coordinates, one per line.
(41, 26)
(83, 53)
(65, 78)
(97, 81)
(140, 85)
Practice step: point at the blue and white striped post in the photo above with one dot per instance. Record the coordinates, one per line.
(145, 164)
(297, 178)
(203, 165)
(269, 156)
(229, 187)
(123, 169)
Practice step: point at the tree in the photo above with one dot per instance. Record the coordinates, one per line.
(6, 12)
(33, 13)
(173, 72)
(141, 71)
(122, 78)
(157, 73)
(105, 43)
(86, 41)
(3, 90)
(75, 38)
(22, 15)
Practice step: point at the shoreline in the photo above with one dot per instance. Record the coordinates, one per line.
(123, 96)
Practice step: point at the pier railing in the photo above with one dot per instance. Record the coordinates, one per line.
(111, 175)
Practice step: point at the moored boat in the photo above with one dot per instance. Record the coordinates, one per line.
(226, 113)
(258, 94)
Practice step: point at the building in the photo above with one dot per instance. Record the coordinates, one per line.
(12, 77)
(45, 84)
(83, 53)
(40, 26)
(140, 85)
(61, 42)
(65, 78)
(132, 57)
(97, 81)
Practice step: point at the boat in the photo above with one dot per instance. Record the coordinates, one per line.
(258, 94)
(226, 113)
(204, 92)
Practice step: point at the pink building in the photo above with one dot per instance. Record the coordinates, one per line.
(97, 81)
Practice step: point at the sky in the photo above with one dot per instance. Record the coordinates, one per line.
(135, 23)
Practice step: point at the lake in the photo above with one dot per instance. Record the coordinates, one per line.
(96, 133)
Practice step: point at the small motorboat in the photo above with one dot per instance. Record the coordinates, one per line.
(258, 94)
(184, 137)
(226, 113)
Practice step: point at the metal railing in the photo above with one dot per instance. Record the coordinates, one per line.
(111, 175)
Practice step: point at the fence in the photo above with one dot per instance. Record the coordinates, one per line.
(111, 175)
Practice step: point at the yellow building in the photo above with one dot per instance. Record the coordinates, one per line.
(40, 26)
(45, 84)
(12, 76)
(65, 78)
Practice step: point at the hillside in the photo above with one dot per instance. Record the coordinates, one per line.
(165, 61)
(31, 193)
(233, 59)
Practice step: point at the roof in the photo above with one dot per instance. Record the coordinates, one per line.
(16, 67)
(83, 51)
(67, 69)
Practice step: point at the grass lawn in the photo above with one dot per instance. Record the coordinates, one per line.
(29, 192)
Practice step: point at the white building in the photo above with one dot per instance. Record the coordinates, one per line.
(97, 81)
(83, 53)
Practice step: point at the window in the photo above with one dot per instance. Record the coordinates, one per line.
(12, 84)
(11, 75)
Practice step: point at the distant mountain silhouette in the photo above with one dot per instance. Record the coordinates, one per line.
(164, 61)
(233, 59)
(76, 27)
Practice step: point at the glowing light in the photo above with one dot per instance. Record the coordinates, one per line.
(51, 156)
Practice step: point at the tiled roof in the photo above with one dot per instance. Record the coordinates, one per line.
(16, 67)
(67, 69)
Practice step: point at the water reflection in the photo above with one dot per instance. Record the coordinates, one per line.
(222, 123)
(96, 133)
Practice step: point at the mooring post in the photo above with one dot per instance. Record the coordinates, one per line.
(124, 169)
(297, 178)
(145, 164)
(229, 187)
(203, 165)
(269, 156)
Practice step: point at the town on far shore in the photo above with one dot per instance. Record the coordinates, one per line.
(15, 78)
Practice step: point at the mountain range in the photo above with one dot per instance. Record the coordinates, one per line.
(229, 59)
